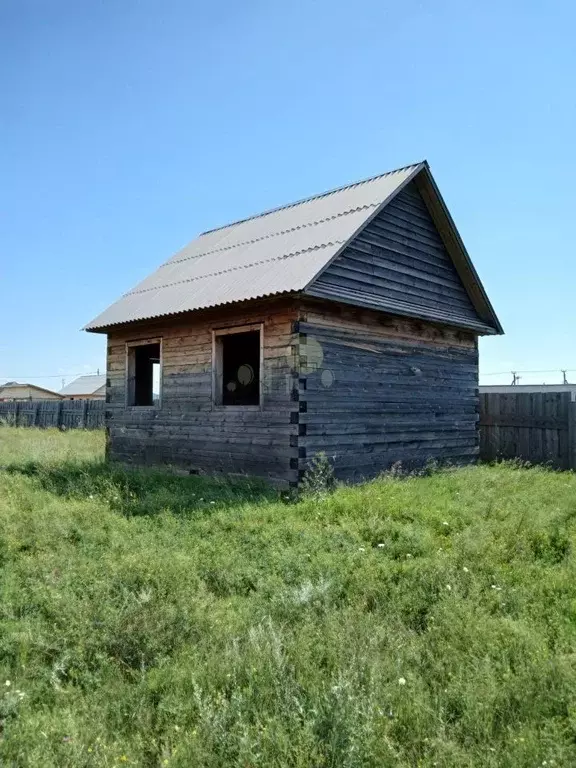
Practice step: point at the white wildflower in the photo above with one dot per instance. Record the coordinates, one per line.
(381, 545)
(145, 595)
(448, 587)
(401, 681)
(361, 549)
(7, 683)
(465, 570)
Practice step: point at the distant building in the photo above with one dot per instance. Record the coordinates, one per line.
(13, 390)
(91, 387)
(517, 389)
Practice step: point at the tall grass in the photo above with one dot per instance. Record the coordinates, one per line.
(153, 620)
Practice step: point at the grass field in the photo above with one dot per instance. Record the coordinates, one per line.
(153, 620)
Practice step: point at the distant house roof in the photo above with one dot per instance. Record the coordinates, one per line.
(84, 385)
(10, 385)
(281, 251)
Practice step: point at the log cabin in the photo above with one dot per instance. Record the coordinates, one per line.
(346, 323)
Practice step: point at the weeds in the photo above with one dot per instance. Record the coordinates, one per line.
(319, 477)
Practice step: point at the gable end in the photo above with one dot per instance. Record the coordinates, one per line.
(400, 263)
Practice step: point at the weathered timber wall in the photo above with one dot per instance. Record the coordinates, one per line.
(537, 427)
(188, 430)
(368, 389)
(400, 264)
(377, 389)
(70, 414)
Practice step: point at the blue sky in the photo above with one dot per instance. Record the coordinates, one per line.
(128, 127)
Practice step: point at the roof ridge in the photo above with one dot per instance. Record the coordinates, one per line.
(313, 197)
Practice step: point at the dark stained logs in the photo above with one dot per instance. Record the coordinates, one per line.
(369, 389)
(399, 263)
(386, 391)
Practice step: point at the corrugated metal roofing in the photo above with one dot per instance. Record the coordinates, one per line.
(279, 251)
(84, 385)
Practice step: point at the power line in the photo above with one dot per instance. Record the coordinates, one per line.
(52, 375)
(550, 370)
(563, 371)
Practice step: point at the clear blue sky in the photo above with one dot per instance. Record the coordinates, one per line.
(128, 126)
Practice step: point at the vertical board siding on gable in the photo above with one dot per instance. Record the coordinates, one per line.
(399, 263)
(187, 431)
(397, 391)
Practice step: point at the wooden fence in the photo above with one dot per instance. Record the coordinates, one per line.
(67, 414)
(539, 427)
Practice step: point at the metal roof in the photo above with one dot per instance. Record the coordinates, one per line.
(84, 385)
(280, 251)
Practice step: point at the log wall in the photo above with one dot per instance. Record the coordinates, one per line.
(377, 389)
(367, 388)
(187, 429)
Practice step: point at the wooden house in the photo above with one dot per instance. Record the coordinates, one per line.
(346, 323)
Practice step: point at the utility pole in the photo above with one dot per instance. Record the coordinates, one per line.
(515, 378)
(564, 379)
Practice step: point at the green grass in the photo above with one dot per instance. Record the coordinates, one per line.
(151, 620)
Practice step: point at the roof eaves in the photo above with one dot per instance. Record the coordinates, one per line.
(91, 328)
